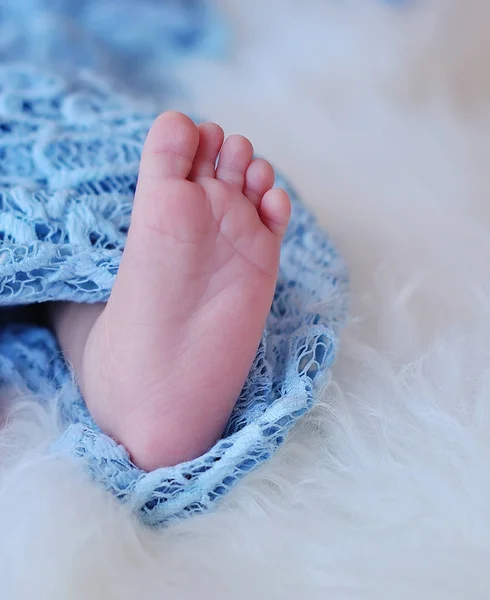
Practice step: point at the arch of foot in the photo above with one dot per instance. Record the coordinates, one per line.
(68, 168)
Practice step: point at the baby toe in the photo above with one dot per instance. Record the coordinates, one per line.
(210, 141)
(259, 178)
(275, 211)
(235, 157)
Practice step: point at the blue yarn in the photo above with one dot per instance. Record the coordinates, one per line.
(69, 155)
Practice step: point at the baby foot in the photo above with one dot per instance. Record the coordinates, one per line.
(166, 359)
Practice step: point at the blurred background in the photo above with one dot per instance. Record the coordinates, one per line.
(378, 111)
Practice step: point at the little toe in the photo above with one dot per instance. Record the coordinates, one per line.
(234, 159)
(210, 141)
(259, 178)
(170, 148)
(275, 211)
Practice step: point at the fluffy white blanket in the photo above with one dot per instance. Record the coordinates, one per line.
(381, 118)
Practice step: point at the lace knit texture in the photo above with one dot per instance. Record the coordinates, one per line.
(68, 165)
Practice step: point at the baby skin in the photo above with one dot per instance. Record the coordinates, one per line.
(162, 364)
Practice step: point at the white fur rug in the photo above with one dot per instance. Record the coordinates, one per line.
(382, 120)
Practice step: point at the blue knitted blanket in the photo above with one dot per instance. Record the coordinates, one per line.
(69, 153)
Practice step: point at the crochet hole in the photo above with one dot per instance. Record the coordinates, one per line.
(88, 286)
(42, 231)
(149, 506)
(94, 238)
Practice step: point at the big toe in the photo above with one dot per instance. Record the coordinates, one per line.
(170, 148)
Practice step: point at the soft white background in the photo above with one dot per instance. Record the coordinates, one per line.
(381, 119)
